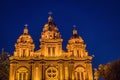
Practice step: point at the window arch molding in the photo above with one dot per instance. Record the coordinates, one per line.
(79, 66)
(22, 73)
(79, 73)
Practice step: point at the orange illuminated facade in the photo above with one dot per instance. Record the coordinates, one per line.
(50, 62)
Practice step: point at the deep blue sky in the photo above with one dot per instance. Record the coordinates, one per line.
(97, 21)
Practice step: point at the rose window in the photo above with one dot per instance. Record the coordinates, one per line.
(51, 72)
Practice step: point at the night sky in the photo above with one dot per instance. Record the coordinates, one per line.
(97, 22)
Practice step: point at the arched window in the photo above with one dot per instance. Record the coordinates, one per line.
(22, 74)
(79, 73)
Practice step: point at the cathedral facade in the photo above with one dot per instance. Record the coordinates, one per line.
(50, 62)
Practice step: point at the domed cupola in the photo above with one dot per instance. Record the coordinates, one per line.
(25, 45)
(50, 30)
(76, 46)
(50, 26)
(25, 37)
(75, 37)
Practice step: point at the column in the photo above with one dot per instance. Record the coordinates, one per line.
(32, 67)
(22, 75)
(36, 73)
(61, 71)
(89, 67)
(26, 75)
(51, 52)
(18, 76)
(66, 71)
(73, 76)
(70, 69)
(40, 71)
(47, 51)
(12, 72)
(43, 71)
(76, 76)
(84, 75)
(81, 76)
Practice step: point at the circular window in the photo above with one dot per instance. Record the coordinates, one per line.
(51, 72)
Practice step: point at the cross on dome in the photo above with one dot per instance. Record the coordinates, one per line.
(50, 13)
(50, 18)
(26, 29)
(74, 30)
(74, 26)
(26, 25)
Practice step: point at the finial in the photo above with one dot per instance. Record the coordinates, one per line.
(26, 25)
(50, 13)
(25, 29)
(50, 18)
(74, 30)
(74, 26)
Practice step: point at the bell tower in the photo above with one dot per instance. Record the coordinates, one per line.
(76, 46)
(51, 41)
(82, 66)
(24, 46)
